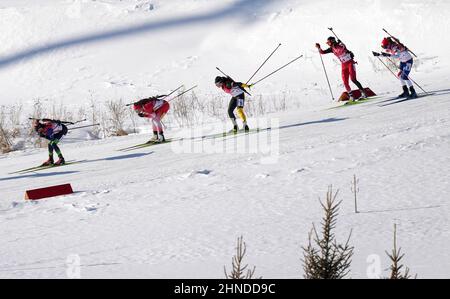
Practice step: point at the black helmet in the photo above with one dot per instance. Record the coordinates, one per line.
(331, 39)
(219, 79)
(38, 125)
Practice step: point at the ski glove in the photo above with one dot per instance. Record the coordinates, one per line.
(141, 114)
(246, 85)
(318, 46)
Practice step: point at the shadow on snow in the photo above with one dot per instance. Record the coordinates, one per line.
(243, 9)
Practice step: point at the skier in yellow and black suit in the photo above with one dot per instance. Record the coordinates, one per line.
(236, 89)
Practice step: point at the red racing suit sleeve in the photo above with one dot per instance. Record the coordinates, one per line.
(327, 51)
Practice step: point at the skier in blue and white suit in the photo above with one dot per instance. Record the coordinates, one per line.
(399, 51)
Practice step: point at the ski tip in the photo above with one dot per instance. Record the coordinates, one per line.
(41, 167)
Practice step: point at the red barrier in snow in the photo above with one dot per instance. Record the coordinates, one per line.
(48, 192)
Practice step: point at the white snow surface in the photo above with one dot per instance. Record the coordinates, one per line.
(160, 212)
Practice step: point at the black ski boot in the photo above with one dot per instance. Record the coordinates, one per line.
(405, 93)
(413, 94)
(246, 128)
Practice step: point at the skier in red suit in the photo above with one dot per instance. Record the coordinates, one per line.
(346, 57)
(154, 108)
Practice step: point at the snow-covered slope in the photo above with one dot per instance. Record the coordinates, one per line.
(175, 210)
(116, 49)
(157, 212)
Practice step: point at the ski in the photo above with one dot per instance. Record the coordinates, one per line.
(398, 100)
(392, 99)
(26, 169)
(361, 101)
(230, 133)
(144, 145)
(41, 167)
(212, 136)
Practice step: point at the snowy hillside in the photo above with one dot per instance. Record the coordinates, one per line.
(175, 210)
(125, 49)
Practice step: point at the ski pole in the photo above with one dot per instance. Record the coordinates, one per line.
(409, 78)
(398, 41)
(223, 73)
(164, 96)
(263, 63)
(173, 92)
(63, 122)
(184, 92)
(326, 75)
(131, 104)
(279, 69)
(74, 123)
(232, 80)
(418, 85)
(387, 67)
(76, 128)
